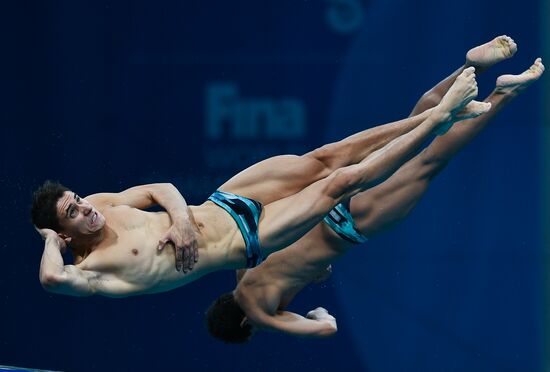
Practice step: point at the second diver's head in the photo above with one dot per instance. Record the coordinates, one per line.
(226, 320)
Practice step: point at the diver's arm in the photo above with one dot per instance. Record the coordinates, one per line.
(144, 196)
(181, 233)
(317, 323)
(57, 277)
(166, 195)
(70, 280)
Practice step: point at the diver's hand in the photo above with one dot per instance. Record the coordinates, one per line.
(183, 237)
(321, 315)
(49, 234)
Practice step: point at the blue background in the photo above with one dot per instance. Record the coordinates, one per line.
(106, 95)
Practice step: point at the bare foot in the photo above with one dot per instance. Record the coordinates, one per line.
(463, 90)
(496, 50)
(453, 104)
(508, 84)
(470, 111)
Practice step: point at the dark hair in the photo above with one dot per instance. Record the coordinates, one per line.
(224, 318)
(44, 205)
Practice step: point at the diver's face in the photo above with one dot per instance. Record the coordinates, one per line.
(77, 216)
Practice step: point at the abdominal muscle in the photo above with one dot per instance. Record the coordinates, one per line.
(131, 253)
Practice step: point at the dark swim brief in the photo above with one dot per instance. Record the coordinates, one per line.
(341, 221)
(246, 212)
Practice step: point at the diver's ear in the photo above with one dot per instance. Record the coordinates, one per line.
(244, 322)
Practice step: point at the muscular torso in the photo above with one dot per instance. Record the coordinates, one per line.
(271, 286)
(129, 254)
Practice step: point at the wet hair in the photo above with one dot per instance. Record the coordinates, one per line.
(44, 205)
(224, 318)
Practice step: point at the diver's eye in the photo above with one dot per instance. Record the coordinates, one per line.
(72, 213)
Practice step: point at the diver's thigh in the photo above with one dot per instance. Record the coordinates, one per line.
(275, 178)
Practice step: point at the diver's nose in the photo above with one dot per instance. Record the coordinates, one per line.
(86, 209)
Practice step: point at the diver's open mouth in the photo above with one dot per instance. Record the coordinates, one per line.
(94, 218)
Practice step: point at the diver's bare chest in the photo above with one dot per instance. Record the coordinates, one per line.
(128, 252)
(130, 242)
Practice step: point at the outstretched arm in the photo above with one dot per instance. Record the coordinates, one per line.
(181, 233)
(317, 323)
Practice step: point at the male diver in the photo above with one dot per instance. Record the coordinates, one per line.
(262, 294)
(262, 209)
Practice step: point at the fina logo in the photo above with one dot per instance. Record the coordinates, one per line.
(229, 115)
(344, 16)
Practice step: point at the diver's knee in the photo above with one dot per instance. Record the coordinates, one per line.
(341, 182)
(330, 155)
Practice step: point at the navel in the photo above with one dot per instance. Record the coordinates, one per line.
(135, 252)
